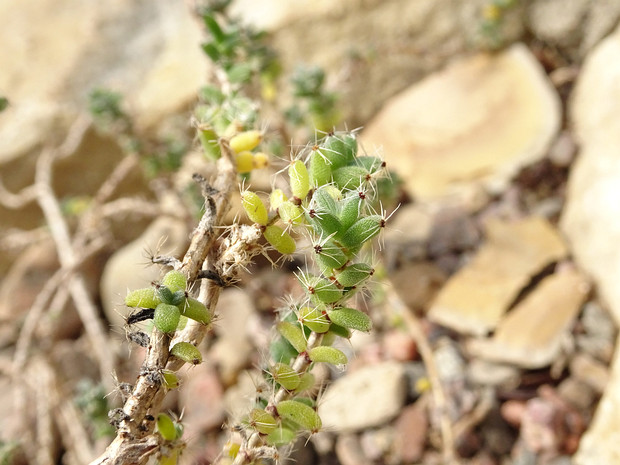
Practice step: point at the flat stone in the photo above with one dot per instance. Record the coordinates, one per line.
(558, 21)
(477, 122)
(483, 372)
(531, 334)
(149, 51)
(349, 450)
(591, 218)
(357, 401)
(475, 298)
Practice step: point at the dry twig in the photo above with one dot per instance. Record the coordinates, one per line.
(135, 443)
(396, 305)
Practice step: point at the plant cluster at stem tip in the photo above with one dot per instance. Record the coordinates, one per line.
(330, 188)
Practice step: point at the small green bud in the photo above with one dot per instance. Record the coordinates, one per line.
(324, 224)
(281, 437)
(280, 239)
(339, 150)
(319, 288)
(339, 331)
(324, 201)
(320, 169)
(290, 213)
(247, 140)
(362, 231)
(245, 162)
(169, 297)
(351, 177)
(350, 318)
(261, 421)
(210, 143)
(370, 164)
(166, 317)
(355, 274)
(351, 209)
(299, 179)
(276, 198)
(299, 413)
(171, 379)
(330, 255)
(165, 427)
(306, 382)
(314, 319)
(146, 297)
(284, 375)
(196, 310)
(187, 352)
(328, 355)
(175, 281)
(293, 334)
(254, 207)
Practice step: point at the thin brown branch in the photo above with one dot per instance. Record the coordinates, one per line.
(18, 239)
(397, 307)
(67, 256)
(135, 443)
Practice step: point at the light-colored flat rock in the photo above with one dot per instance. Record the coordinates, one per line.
(476, 122)
(476, 297)
(357, 401)
(531, 334)
(591, 219)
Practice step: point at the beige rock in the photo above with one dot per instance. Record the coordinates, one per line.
(149, 51)
(474, 123)
(558, 21)
(372, 49)
(356, 401)
(591, 219)
(475, 298)
(531, 335)
(591, 216)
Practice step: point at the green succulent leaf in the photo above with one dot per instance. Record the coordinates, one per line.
(350, 318)
(166, 317)
(299, 413)
(328, 355)
(165, 427)
(187, 352)
(293, 334)
(146, 297)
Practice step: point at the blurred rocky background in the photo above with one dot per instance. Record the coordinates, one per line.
(497, 302)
